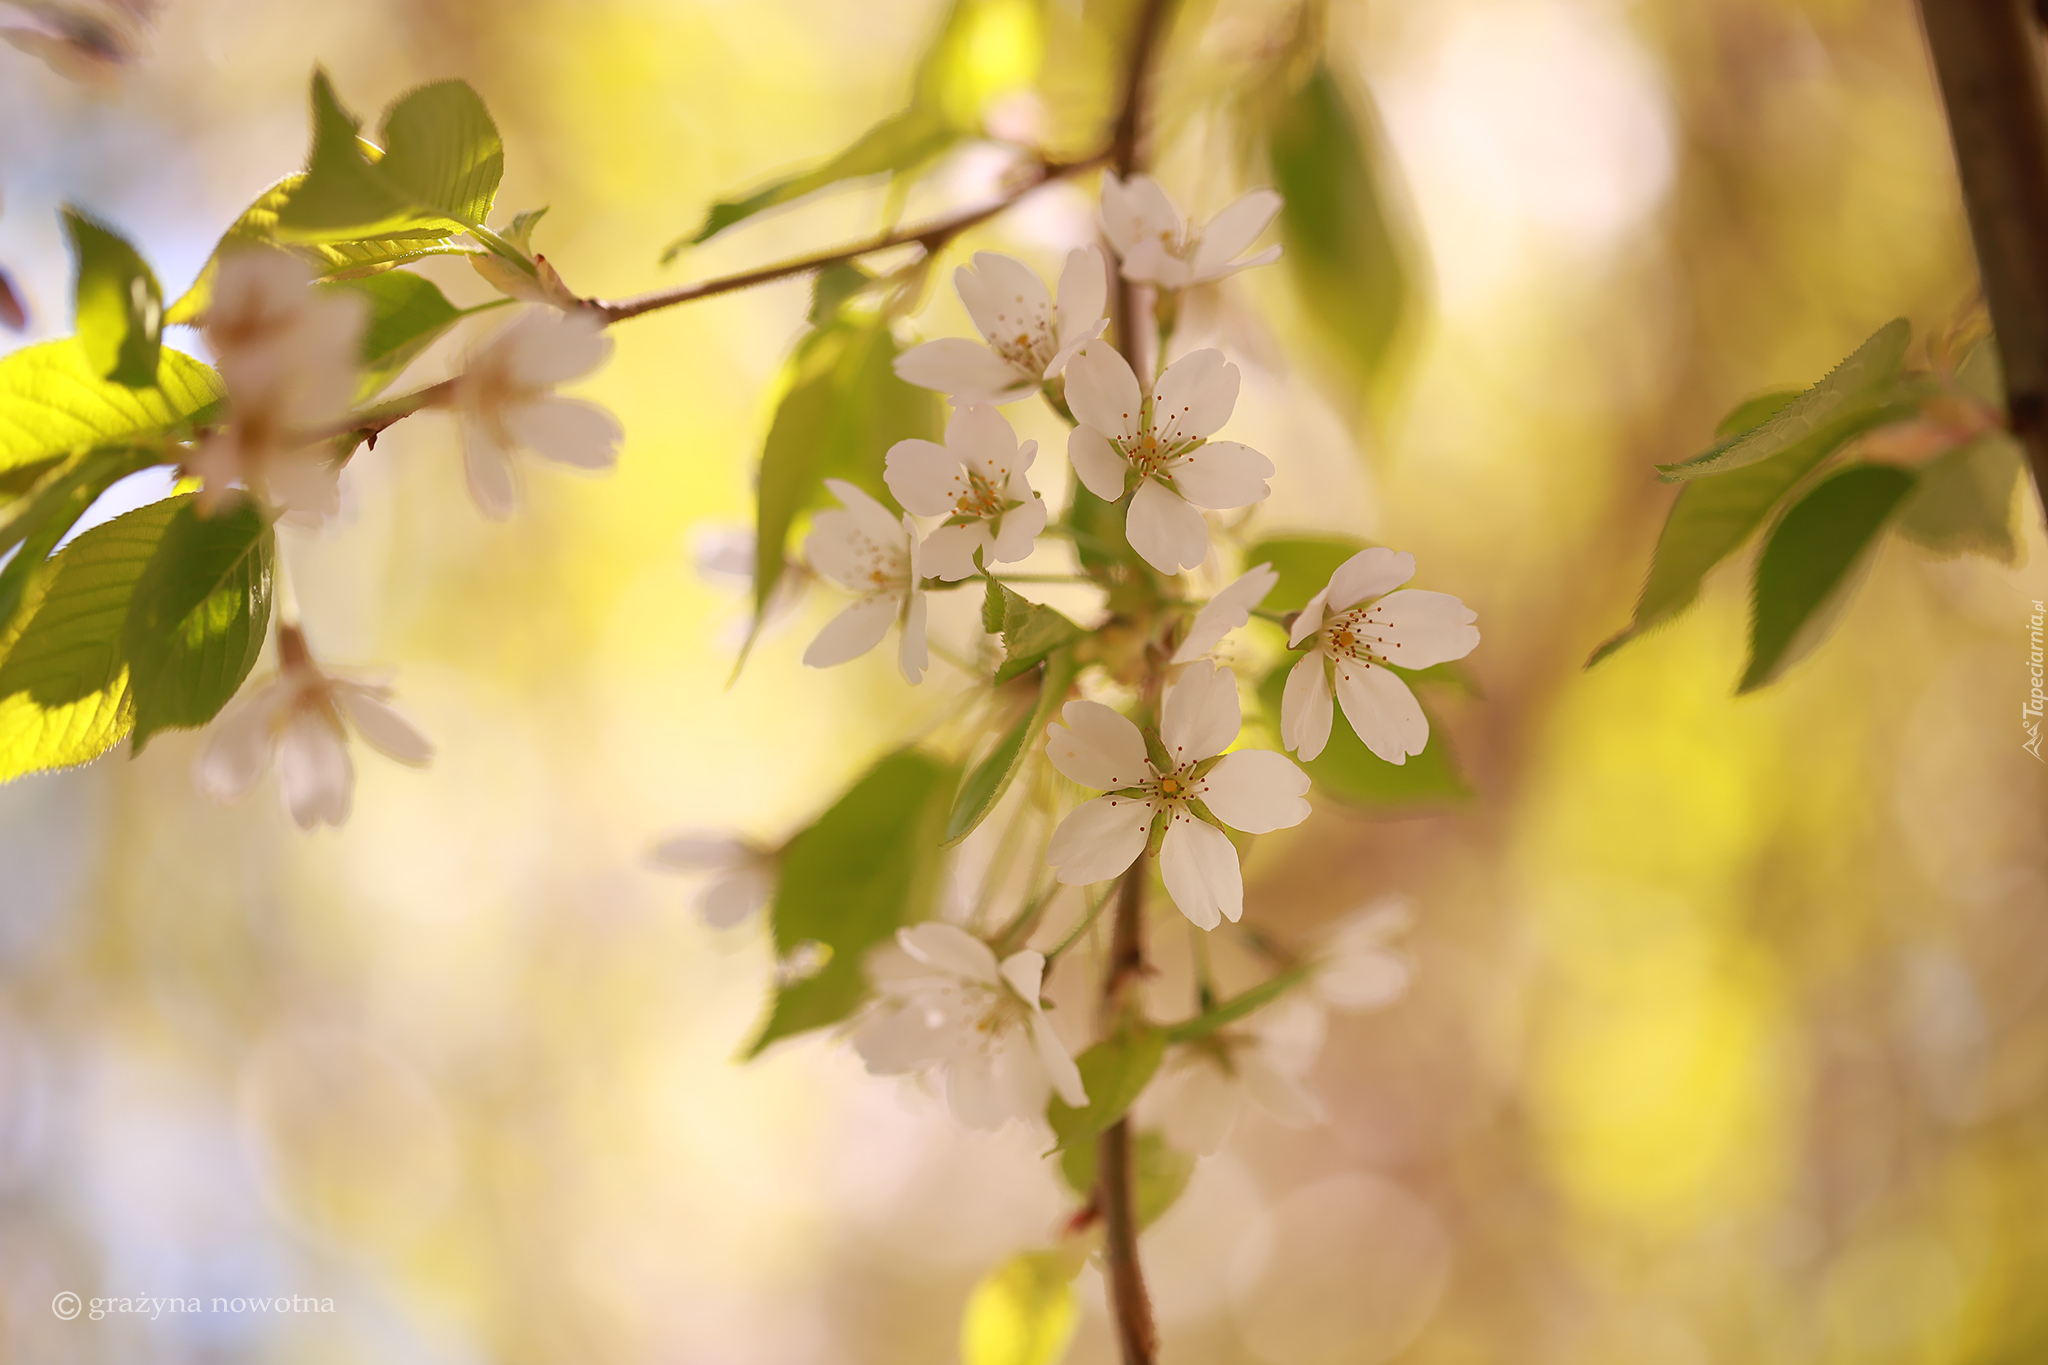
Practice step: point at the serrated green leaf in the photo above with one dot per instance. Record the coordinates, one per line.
(1351, 773)
(120, 306)
(1752, 413)
(1348, 261)
(407, 314)
(1964, 501)
(443, 150)
(1024, 1312)
(866, 867)
(53, 403)
(64, 694)
(37, 521)
(1031, 632)
(198, 616)
(1159, 1170)
(1865, 380)
(1810, 561)
(992, 777)
(1304, 564)
(1114, 1072)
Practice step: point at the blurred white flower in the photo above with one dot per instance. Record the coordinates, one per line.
(866, 550)
(89, 43)
(1203, 1086)
(1226, 611)
(1357, 967)
(301, 718)
(724, 555)
(976, 481)
(1254, 790)
(1359, 625)
(1156, 245)
(506, 402)
(288, 354)
(741, 875)
(1030, 339)
(1162, 440)
(947, 1004)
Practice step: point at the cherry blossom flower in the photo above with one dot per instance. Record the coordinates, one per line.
(301, 718)
(1357, 968)
(1178, 808)
(288, 355)
(1162, 441)
(741, 874)
(1226, 611)
(1202, 1087)
(976, 481)
(1030, 338)
(506, 402)
(865, 549)
(946, 1004)
(1157, 246)
(1358, 625)
(724, 555)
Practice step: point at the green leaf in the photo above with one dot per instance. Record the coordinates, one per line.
(1304, 564)
(198, 616)
(1030, 632)
(407, 315)
(1810, 560)
(1751, 413)
(1353, 774)
(867, 866)
(1024, 1312)
(1160, 1171)
(992, 776)
(120, 304)
(1101, 544)
(1867, 379)
(54, 403)
(41, 518)
(63, 679)
(1964, 501)
(1348, 263)
(437, 174)
(1114, 1072)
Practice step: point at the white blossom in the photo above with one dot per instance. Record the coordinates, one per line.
(1357, 967)
(1185, 804)
(301, 718)
(1157, 246)
(1029, 338)
(506, 402)
(740, 876)
(724, 555)
(947, 1004)
(867, 550)
(1162, 441)
(1356, 626)
(288, 355)
(976, 480)
(1226, 611)
(1203, 1086)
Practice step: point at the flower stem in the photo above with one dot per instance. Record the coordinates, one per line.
(1115, 1191)
(1087, 920)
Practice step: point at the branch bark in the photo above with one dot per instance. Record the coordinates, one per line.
(1988, 63)
(1116, 1184)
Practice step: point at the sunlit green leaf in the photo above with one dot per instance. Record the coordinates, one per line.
(1030, 630)
(1964, 501)
(1160, 1171)
(1751, 413)
(1351, 773)
(1023, 1312)
(53, 402)
(63, 678)
(1114, 1072)
(42, 517)
(1811, 560)
(1304, 564)
(867, 866)
(198, 616)
(991, 777)
(120, 305)
(407, 314)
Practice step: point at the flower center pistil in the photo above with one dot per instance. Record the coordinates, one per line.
(982, 498)
(1354, 636)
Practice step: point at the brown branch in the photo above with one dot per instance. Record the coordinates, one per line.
(1116, 1186)
(1127, 155)
(1987, 60)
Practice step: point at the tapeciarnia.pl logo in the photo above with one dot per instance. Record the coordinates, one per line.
(2030, 714)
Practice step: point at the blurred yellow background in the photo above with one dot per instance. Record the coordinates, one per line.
(1727, 1042)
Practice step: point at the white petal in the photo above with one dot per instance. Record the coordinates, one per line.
(242, 742)
(1166, 532)
(1025, 971)
(951, 949)
(544, 346)
(1369, 573)
(728, 900)
(913, 654)
(1305, 707)
(701, 851)
(892, 1041)
(1059, 1064)
(976, 1092)
(1222, 475)
(487, 467)
(1211, 275)
(1099, 839)
(1019, 533)
(1282, 1096)
(1084, 290)
(1010, 298)
(314, 772)
(1194, 397)
(1137, 210)
(568, 431)
(982, 440)
(1069, 349)
(381, 725)
(1103, 392)
(925, 477)
(1234, 229)
(1200, 716)
(303, 481)
(948, 552)
(1227, 611)
(1096, 463)
(1257, 791)
(968, 370)
(874, 521)
(1419, 628)
(1310, 618)
(1364, 981)
(1290, 1033)
(1097, 747)
(1199, 865)
(1199, 1106)
(1156, 262)
(852, 632)
(1381, 710)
